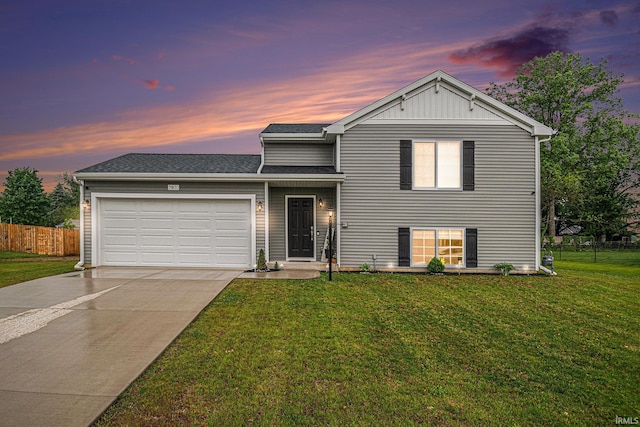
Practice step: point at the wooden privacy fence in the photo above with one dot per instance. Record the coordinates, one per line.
(39, 240)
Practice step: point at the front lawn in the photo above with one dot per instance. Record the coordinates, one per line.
(401, 350)
(29, 267)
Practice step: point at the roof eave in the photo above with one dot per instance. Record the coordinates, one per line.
(292, 136)
(207, 177)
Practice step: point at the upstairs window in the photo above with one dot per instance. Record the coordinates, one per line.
(437, 164)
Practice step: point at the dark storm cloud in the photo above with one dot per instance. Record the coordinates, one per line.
(609, 17)
(507, 54)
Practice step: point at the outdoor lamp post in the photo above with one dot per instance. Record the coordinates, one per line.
(330, 241)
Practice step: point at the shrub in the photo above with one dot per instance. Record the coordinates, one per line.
(262, 262)
(504, 268)
(435, 265)
(276, 266)
(365, 268)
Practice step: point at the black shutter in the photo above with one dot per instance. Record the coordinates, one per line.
(471, 249)
(468, 166)
(404, 247)
(406, 173)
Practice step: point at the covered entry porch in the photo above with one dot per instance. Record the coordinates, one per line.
(297, 218)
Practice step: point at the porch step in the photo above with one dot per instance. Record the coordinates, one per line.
(303, 265)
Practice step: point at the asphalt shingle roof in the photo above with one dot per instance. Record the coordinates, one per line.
(179, 163)
(295, 128)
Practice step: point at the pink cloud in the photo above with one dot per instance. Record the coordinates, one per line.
(170, 87)
(151, 84)
(507, 54)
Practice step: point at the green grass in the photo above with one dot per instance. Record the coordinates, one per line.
(18, 255)
(12, 272)
(610, 262)
(401, 350)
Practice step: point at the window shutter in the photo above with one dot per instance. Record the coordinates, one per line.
(471, 247)
(406, 174)
(404, 247)
(468, 166)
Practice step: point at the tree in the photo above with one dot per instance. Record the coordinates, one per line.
(590, 162)
(23, 199)
(64, 199)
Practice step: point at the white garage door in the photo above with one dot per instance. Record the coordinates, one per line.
(176, 233)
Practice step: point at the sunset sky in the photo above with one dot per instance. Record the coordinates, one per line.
(85, 81)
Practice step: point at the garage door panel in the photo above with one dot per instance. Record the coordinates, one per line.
(231, 242)
(194, 207)
(157, 257)
(228, 206)
(165, 224)
(116, 223)
(122, 257)
(156, 206)
(120, 206)
(194, 242)
(157, 241)
(170, 232)
(122, 240)
(195, 224)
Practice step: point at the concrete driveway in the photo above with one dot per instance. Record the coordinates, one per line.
(70, 344)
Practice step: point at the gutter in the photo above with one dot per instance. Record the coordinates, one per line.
(80, 264)
(208, 177)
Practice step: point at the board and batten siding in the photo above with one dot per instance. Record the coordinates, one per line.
(277, 230)
(160, 188)
(502, 207)
(298, 154)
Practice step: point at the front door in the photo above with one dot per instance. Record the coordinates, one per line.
(300, 227)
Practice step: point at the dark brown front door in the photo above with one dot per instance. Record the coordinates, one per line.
(300, 227)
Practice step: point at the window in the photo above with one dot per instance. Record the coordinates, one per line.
(447, 243)
(437, 164)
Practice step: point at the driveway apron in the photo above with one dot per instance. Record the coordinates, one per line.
(70, 344)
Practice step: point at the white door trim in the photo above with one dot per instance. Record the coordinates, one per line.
(286, 225)
(97, 197)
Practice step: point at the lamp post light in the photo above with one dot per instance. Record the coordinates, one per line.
(330, 241)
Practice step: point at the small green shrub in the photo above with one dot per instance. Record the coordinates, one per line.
(365, 268)
(262, 262)
(276, 266)
(435, 265)
(504, 268)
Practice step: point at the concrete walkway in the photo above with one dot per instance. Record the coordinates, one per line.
(70, 344)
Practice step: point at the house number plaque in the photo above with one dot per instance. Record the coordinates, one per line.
(173, 187)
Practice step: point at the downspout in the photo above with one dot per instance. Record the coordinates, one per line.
(80, 264)
(538, 144)
(261, 157)
(266, 220)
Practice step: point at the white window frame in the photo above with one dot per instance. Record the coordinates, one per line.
(437, 230)
(415, 167)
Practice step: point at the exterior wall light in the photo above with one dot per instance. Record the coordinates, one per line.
(86, 203)
(260, 207)
(320, 203)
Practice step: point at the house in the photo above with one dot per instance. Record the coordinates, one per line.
(436, 168)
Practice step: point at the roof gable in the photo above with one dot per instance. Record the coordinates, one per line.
(439, 96)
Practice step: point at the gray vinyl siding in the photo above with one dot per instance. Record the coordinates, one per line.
(294, 154)
(161, 188)
(502, 207)
(277, 229)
